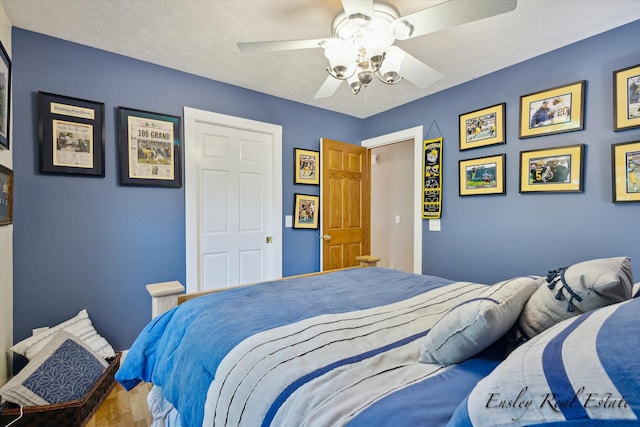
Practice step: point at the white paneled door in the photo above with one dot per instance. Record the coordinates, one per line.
(233, 200)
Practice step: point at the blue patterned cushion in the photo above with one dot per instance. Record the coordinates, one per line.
(64, 370)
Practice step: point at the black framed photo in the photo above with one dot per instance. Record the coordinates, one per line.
(5, 97)
(306, 211)
(482, 176)
(307, 166)
(71, 135)
(552, 170)
(556, 110)
(6, 195)
(626, 98)
(150, 148)
(482, 128)
(625, 170)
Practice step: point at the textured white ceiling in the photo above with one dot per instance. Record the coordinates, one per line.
(200, 36)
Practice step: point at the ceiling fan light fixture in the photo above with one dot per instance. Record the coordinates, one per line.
(401, 29)
(341, 56)
(354, 84)
(389, 71)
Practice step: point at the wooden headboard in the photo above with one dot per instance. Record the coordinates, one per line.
(167, 295)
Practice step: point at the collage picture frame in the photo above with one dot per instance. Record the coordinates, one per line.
(552, 170)
(6, 195)
(482, 176)
(626, 98)
(306, 166)
(482, 128)
(552, 111)
(5, 97)
(625, 169)
(306, 208)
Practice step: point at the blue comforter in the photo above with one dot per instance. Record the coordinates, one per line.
(339, 348)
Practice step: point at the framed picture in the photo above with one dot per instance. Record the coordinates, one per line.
(626, 98)
(556, 110)
(481, 176)
(307, 168)
(625, 168)
(306, 211)
(71, 134)
(552, 170)
(5, 97)
(150, 148)
(483, 127)
(6, 196)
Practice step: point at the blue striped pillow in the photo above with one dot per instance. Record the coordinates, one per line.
(583, 369)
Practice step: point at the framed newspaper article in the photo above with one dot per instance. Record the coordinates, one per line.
(71, 135)
(150, 148)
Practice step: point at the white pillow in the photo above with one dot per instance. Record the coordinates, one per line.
(80, 326)
(636, 290)
(64, 370)
(577, 289)
(472, 326)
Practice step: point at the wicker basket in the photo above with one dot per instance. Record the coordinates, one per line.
(72, 413)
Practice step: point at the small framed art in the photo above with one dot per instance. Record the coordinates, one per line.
(625, 168)
(150, 148)
(6, 195)
(551, 111)
(71, 134)
(482, 176)
(306, 166)
(306, 211)
(626, 98)
(5, 96)
(550, 170)
(482, 128)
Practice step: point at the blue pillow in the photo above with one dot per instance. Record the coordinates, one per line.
(64, 370)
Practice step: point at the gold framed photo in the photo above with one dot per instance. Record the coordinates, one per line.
(626, 98)
(6, 195)
(558, 169)
(625, 169)
(306, 211)
(556, 110)
(482, 176)
(306, 163)
(482, 128)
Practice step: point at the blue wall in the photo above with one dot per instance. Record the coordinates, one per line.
(489, 238)
(89, 243)
(83, 242)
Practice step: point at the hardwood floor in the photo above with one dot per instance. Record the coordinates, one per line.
(123, 409)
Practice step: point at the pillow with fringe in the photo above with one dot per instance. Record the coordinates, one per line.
(79, 325)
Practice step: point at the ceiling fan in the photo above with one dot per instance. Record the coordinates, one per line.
(363, 36)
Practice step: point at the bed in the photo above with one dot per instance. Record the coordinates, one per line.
(373, 346)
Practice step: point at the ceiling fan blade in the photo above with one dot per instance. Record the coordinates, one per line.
(417, 72)
(328, 88)
(274, 46)
(455, 12)
(353, 7)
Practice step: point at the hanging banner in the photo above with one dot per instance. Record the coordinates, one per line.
(432, 183)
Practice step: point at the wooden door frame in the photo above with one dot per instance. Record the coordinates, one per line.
(414, 133)
(191, 117)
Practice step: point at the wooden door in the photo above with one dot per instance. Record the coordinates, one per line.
(345, 203)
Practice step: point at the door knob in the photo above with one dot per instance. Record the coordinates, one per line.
(326, 237)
